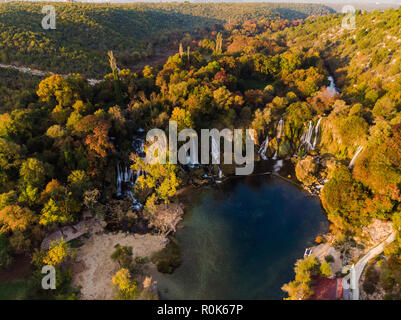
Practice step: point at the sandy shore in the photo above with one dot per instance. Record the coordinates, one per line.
(93, 267)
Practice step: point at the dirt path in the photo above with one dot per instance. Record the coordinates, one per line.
(93, 267)
(39, 73)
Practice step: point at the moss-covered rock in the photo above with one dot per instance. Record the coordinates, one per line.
(306, 169)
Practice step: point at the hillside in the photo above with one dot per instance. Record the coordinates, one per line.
(364, 117)
(85, 32)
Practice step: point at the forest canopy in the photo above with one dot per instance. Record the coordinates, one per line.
(85, 32)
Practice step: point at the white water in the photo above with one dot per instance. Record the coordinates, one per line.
(219, 175)
(278, 165)
(193, 161)
(317, 130)
(119, 180)
(331, 89)
(358, 151)
(263, 148)
(280, 128)
(216, 156)
(126, 175)
(215, 151)
(139, 146)
(306, 139)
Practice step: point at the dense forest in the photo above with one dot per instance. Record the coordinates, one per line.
(85, 32)
(61, 138)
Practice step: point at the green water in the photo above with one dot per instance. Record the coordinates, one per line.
(241, 238)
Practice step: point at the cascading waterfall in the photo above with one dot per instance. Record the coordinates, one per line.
(215, 152)
(193, 163)
(317, 130)
(280, 128)
(278, 165)
(125, 175)
(220, 174)
(216, 156)
(119, 181)
(263, 148)
(352, 163)
(332, 87)
(188, 157)
(306, 138)
(139, 147)
(136, 205)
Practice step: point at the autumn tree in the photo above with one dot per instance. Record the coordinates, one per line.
(183, 118)
(126, 287)
(15, 218)
(300, 288)
(161, 178)
(96, 131)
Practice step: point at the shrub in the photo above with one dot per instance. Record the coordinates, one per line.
(123, 255)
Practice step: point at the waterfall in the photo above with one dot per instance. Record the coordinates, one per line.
(332, 90)
(135, 204)
(126, 178)
(220, 174)
(263, 148)
(278, 166)
(139, 147)
(215, 153)
(306, 138)
(188, 157)
(316, 133)
(119, 180)
(280, 128)
(131, 176)
(192, 162)
(216, 156)
(358, 151)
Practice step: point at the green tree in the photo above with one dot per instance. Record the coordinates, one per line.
(33, 172)
(325, 269)
(123, 255)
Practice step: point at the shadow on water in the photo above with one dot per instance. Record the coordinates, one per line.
(241, 239)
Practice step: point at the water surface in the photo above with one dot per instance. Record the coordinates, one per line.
(240, 240)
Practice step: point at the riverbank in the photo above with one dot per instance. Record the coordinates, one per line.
(93, 267)
(250, 230)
